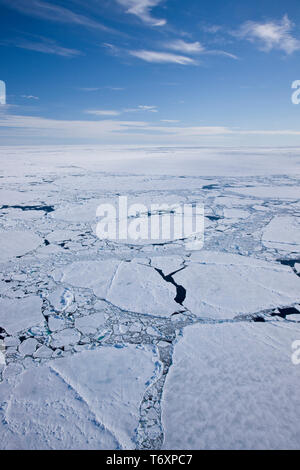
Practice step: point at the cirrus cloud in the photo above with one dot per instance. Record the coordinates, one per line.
(186, 47)
(142, 9)
(162, 57)
(271, 35)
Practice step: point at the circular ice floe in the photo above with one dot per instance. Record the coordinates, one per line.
(17, 243)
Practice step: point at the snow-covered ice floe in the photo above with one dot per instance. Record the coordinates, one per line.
(223, 285)
(93, 332)
(18, 314)
(16, 243)
(233, 386)
(90, 401)
(283, 232)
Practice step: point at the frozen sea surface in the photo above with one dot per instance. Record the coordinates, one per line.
(149, 345)
(233, 386)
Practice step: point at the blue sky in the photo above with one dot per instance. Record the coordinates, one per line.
(150, 72)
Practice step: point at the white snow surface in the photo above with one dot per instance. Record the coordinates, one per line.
(129, 285)
(141, 289)
(19, 314)
(96, 275)
(223, 285)
(282, 232)
(44, 412)
(88, 324)
(112, 382)
(82, 402)
(233, 386)
(17, 243)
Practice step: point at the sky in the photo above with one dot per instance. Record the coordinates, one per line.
(150, 72)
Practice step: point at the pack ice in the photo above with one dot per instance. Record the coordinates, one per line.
(153, 344)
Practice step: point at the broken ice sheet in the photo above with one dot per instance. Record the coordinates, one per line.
(17, 243)
(61, 299)
(218, 285)
(141, 289)
(96, 275)
(129, 285)
(233, 386)
(90, 323)
(42, 411)
(235, 214)
(283, 232)
(222, 285)
(19, 314)
(87, 401)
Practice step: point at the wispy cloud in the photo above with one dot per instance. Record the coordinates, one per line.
(186, 47)
(31, 126)
(30, 97)
(52, 12)
(195, 48)
(111, 112)
(103, 112)
(162, 57)
(47, 46)
(221, 53)
(90, 89)
(271, 35)
(115, 88)
(149, 109)
(142, 9)
(212, 29)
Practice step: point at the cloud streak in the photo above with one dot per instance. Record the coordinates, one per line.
(142, 9)
(110, 112)
(186, 47)
(37, 127)
(162, 57)
(30, 97)
(271, 35)
(51, 12)
(103, 112)
(46, 46)
(191, 48)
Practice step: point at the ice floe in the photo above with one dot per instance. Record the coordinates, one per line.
(140, 288)
(17, 243)
(19, 314)
(233, 386)
(82, 318)
(283, 232)
(222, 285)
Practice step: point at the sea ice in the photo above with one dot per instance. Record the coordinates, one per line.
(111, 382)
(90, 323)
(96, 275)
(17, 243)
(223, 285)
(42, 411)
(141, 289)
(19, 314)
(233, 386)
(282, 232)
